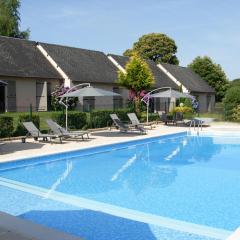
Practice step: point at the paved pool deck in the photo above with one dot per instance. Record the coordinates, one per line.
(15, 149)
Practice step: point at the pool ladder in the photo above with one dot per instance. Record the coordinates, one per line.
(197, 127)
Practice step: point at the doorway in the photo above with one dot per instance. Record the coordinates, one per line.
(2, 98)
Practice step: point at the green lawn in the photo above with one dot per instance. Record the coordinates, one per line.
(216, 116)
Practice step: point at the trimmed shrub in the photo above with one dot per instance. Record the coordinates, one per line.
(101, 118)
(231, 101)
(6, 126)
(76, 120)
(151, 117)
(20, 130)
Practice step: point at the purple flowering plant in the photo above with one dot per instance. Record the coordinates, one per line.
(56, 95)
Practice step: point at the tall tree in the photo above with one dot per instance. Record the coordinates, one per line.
(155, 46)
(137, 79)
(10, 20)
(235, 82)
(212, 73)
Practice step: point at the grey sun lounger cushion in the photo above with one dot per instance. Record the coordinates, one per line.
(135, 121)
(57, 129)
(124, 128)
(115, 117)
(36, 134)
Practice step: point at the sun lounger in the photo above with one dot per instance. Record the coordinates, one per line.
(125, 128)
(135, 122)
(114, 116)
(178, 118)
(199, 122)
(174, 120)
(34, 132)
(57, 129)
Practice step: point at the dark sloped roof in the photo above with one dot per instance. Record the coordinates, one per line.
(81, 64)
(21, 58)
(161, 79)
(192, 81)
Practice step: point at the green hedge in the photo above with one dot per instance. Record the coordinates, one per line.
(76, 120)
(151, 117)
(20, 130)
(6, 124)
(101, 118)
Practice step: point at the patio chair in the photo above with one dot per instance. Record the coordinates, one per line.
(135, 122)
(165, 118)
(125, 128)
(34, 132)
(114, 116)
(178, 118)
(57, 129)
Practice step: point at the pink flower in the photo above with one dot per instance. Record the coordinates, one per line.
(142, 93)
(132, 94)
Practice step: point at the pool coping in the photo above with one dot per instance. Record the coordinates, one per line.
(15, 228)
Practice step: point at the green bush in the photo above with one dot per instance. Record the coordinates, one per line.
(231, 101)
(236, 114)
(187, 102)
(76, 120)
(101, 118)
(6, 126)
(183, 109)
(20, 130)
(151, 117)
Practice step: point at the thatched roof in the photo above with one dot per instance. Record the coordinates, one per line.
(21, 58)
(82, 65)
(192, 81)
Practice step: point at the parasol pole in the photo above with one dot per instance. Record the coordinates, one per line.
(66, 105)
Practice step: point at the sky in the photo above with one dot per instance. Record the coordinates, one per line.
(199, 27)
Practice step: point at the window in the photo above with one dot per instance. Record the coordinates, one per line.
(88, 103)
(11, 96)
(117, 100)
(2, 98)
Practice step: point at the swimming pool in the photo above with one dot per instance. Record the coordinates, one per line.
(193, 179)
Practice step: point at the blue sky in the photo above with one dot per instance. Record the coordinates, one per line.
(199, 27)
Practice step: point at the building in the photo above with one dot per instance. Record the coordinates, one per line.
(176, 77)
(29, 77)
(33, 69)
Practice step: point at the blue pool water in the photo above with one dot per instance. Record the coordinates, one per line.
(188, 178)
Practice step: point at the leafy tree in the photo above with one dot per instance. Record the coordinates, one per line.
(10, 20)
(155, 46)
(231, 101)
(137, 79)
(235, 82)
(212, 73)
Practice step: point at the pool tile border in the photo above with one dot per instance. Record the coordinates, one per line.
(81, 152)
